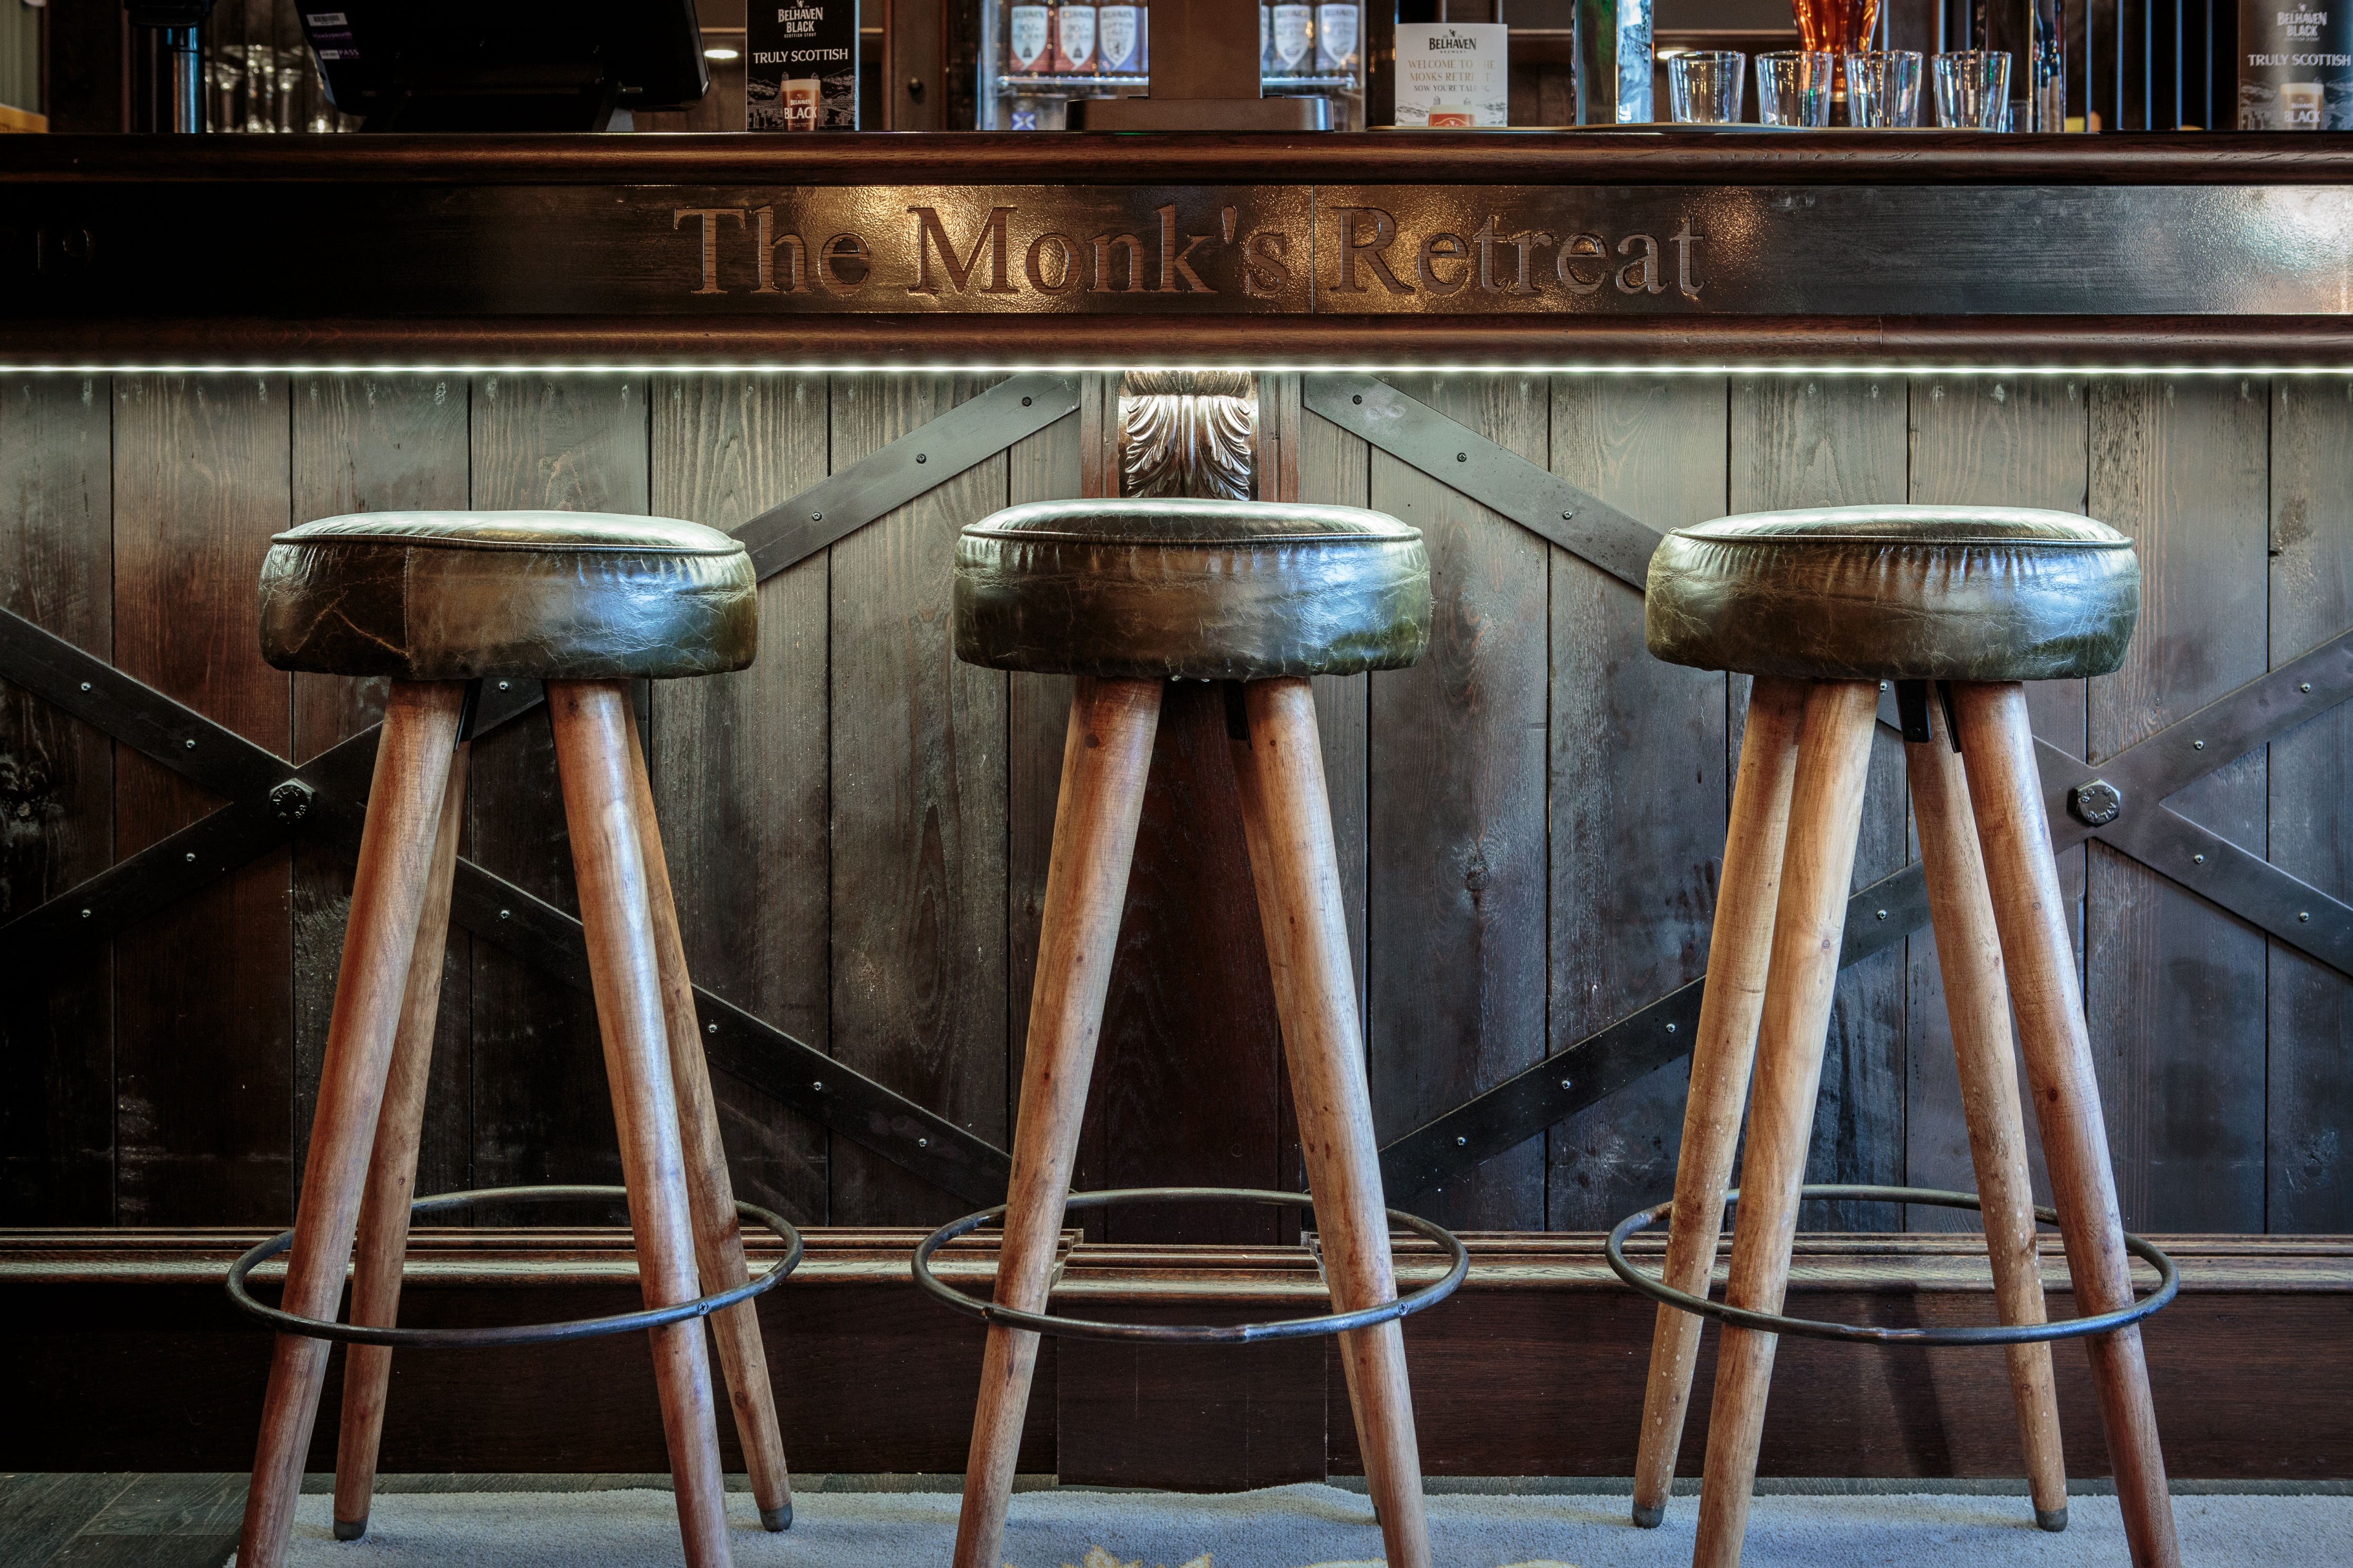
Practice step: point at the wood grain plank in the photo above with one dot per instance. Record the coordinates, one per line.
(1330, 465)
(1841, 441)
(57, 800)
(2176, 998)
(2308, 1181)
(542, 1111)
(1455, 934)
(1074, 457)
(200, 484)
(361, 444)
(1638, 787)
(918, 811)
(740, 762)
(1987, 441)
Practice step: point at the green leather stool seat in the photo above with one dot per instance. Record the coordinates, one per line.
(1913, 593)
(1212, 590)
(561, 595)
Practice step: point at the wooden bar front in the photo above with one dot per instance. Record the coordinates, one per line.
(1530, 820)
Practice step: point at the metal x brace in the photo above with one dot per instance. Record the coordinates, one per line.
(271, 801)
(2119, 802)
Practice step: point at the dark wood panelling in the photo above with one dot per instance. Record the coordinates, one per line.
(2176, 992)
(919, 807)
(1209, 1418)
(144, 1365)
(203, 1136)
(2309, 1180)
(542, 1110)
(1841, 441)
(394, 442)
(57, 791)
(1456, 830)
(1638, 781)
(740, 762)
(1072, 457)
(1987, 441)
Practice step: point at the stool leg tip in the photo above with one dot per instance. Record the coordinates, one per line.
(773, 1519)
(2053, 1520)
(351, 1528)
(1650, 1516)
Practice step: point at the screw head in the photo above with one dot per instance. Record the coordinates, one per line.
(1462, 1142)
(1358, 397)
(192, 856)
(85, 686)
(1025, 403)
(502, 686)
(2305, 687)
(710, 1028)
(2095, 804)
(922, 1142)
(506, 914)
(923, 457)
(2197, 745)
(1462, 457)
(2198, 860)
(1671, 1028)
(816, 516)
(85, 914)
(817, 1088)
(2303, 914)
(1564, 1083)
(189, 744)
(1880, 913)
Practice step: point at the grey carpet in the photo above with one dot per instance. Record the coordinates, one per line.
(1310, 1526)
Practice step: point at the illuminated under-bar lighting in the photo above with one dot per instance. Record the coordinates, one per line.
(723, 54)
(1008, 367)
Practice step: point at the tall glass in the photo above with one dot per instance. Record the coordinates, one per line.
(1973, 88)
(1793, 88)
(1707, 87)
(1882, 88)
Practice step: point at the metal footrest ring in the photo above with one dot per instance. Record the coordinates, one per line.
(513, 1333)
(1189, 1333)
(2169, 1284)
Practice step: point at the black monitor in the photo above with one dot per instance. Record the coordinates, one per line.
(505, 65)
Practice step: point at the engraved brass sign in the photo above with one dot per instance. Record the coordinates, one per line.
(327, 250)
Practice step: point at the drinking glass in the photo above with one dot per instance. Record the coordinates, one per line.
(1707, 87)
(1973, 89)
(1882, 88)
(1793, 88)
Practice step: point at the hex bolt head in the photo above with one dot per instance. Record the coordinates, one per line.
(2097, 803)
(290, 800)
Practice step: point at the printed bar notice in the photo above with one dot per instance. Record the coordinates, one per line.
(1452, 75)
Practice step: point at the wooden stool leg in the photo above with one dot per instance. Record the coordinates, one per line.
(718, 1234)
(1288, 819)
(1810, 922)
(2005, 791)
(1977, 1000)
(392, 1176)
(593, 740)
(1722, 1054)
(1104, 762)
(412, 771)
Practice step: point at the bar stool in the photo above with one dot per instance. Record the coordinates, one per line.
(1128, 595)
(1825, 609)
(437, 601)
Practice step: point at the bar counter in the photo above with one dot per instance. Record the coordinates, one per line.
(1542, 349)
(1652, 248)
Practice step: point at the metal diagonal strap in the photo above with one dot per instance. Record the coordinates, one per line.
(922, 459)
(1498, 479)
(1606, 1061)
(333, 799)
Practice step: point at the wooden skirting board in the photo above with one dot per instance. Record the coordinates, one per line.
(123, 1354)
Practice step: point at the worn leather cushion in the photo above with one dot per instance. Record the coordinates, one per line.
(448, 596)
(1875, 593)
(1215, 590)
